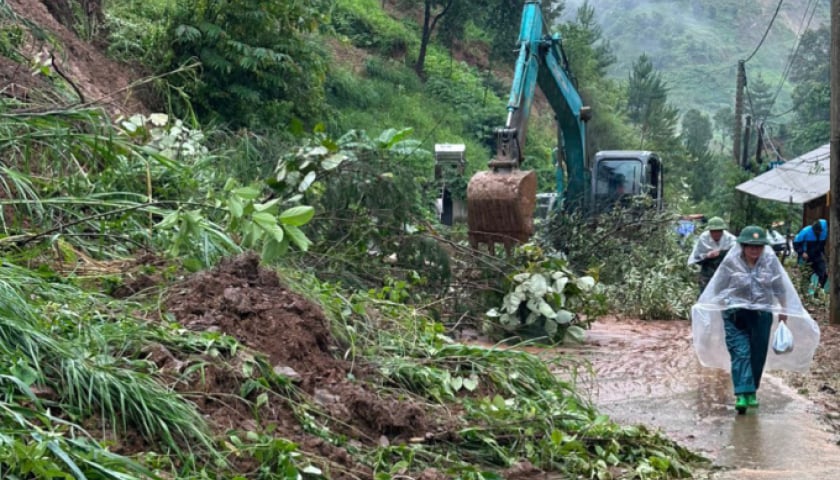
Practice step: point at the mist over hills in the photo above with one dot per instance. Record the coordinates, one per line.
(696, 44)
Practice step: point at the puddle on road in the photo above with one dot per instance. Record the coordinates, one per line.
(647, 373)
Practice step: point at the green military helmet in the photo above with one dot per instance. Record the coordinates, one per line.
(752, 235)
(716, 223)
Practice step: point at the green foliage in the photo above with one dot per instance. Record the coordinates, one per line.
(345, 91)
(724, 122)
(696, 44)
(367, 26)
(648, 107)
(393, 72)
(251, 53)
(390, 94)
(696, 132)
(199, 194)
(761, 98)
(811, 95)
(743, 209)
(263, 226)
(278, 458)
(61, 337)
(591, 53)
(134, 30)
(545, 299)
(512, 405)
(369, 195)
(632, 251)
(12, 34)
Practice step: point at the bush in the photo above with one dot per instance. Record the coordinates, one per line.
(545, 299)
(634, 252)
(367, 26)
(251, 54)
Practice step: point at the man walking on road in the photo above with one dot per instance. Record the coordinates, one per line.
(733, 319)
(709, 250)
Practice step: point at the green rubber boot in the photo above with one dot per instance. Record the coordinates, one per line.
(741, 404)
(752, 401)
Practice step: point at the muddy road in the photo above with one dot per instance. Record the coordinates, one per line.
(647, 373)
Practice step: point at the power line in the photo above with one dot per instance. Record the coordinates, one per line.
(789, 65)
(770, 25)
(769, 141)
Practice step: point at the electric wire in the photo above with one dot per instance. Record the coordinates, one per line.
(812, 4)
(769, 26)
(766, 138)
(768, 141)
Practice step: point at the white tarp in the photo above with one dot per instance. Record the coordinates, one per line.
(800, 180)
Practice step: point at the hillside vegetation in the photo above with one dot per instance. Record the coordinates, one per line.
(221, 259)
(697, 44)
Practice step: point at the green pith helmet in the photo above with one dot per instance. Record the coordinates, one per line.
(752, 235)
(716, 223)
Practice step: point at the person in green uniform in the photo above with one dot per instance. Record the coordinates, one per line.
(750, 281)
(710, 249)
(733, 319)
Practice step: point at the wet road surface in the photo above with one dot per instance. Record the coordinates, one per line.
(647, 373)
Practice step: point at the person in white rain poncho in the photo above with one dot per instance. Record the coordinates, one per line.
(732, 320)
(710, 248)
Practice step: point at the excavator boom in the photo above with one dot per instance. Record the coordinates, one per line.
(501, 200)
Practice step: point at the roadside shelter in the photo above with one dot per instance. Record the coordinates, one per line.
(803, 180)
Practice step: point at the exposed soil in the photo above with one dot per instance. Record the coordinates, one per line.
(249, 303)
(822, 383)
(95, 78)
(242, 300)
(245, 301)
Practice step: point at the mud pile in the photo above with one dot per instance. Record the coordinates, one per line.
(247, 302)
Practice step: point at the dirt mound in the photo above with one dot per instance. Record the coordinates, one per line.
(245, 301)
(242, 300)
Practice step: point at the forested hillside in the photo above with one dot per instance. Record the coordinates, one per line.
(696, 44)
(221, 256)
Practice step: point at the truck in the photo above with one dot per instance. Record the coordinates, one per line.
(501, 200)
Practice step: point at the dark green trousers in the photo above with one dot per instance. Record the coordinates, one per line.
(747, 339)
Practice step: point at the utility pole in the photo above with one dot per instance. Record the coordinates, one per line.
(739, 111)
(745, 155)
(834, 192)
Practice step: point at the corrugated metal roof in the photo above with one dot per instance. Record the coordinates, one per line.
(799, 180)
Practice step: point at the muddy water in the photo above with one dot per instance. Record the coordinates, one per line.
(647, 373)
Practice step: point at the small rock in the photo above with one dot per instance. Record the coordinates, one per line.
(324, 397)
(287, 372)
(826, 388)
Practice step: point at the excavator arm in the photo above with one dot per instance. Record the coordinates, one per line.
(501, 201)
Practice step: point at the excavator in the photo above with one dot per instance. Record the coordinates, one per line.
(502, 199)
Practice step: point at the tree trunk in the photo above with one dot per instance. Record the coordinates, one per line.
(62, 11)
(420, 66)
(429, 23)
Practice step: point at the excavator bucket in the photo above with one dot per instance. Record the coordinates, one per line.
(500, 207)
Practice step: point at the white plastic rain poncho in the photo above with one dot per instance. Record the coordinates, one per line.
(765, 287)
(705, 244)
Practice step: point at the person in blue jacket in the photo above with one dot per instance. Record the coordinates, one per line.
(809, 244)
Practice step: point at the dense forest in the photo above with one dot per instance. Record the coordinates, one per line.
(222, 257)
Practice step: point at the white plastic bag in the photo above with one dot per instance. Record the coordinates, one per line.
(783, 340)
